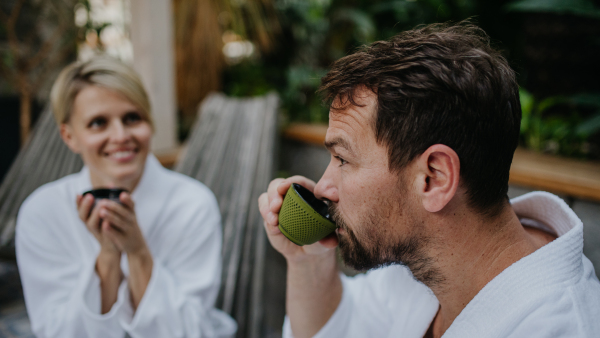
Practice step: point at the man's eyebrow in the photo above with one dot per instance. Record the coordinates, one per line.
(338, 141)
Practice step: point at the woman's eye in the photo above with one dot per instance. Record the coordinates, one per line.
(98, 122)
(131, 118)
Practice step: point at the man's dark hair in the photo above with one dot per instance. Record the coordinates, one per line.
(440, 84)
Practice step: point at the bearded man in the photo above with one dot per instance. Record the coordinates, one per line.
(422, 131)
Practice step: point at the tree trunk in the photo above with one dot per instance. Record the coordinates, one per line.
(25, 115)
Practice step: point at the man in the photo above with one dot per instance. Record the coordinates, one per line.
(422, 130)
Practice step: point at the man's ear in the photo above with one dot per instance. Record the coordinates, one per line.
(438, 176)
(66, 133)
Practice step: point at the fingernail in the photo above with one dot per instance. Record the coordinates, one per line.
(272, 218)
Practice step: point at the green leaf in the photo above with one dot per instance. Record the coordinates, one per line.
(526, 107)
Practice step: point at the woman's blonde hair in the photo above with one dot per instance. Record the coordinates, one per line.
(102, 71)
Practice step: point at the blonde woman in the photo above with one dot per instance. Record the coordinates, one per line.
(148, 265)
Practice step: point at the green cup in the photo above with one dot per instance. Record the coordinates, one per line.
(303, 218)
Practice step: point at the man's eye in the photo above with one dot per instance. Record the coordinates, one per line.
(342, 161)
(131, 118)
(98, 122)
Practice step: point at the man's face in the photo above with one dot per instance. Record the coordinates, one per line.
(377, 218)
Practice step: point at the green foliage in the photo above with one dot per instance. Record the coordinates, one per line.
(560, 124)
(318, 32)
(315, 33)
(574, 7)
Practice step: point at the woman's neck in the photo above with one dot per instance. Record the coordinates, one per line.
(102, 181)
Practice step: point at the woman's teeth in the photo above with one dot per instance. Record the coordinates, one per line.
(121, 154)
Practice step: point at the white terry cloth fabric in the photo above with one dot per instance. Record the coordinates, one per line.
(553, 292)
(180, 220)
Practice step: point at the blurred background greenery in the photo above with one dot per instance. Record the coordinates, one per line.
(251, 47)
(554, 46)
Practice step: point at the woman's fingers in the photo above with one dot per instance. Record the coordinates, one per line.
(114, 219)
(125, 198)
(93, 222)
(114, 235)
(84, 205)
(121, 211)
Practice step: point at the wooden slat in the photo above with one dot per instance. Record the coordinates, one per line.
(44, 158)
(231, 150)
(565, 176)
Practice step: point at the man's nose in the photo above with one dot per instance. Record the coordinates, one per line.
(326, 188)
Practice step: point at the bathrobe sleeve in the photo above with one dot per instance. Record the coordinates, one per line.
(179, 299)
(386, 302)
(62, 291)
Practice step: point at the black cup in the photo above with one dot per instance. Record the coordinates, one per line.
(106, 193)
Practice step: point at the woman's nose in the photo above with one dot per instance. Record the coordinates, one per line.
(326, 188)
(119, 132)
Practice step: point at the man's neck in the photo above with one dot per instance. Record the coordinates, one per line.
(473, 252)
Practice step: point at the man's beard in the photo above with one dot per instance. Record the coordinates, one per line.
(379, 251)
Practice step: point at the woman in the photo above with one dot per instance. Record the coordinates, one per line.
(148, 266)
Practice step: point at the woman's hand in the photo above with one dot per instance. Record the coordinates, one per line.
(120, 225)
(108, 262)
(95, 224)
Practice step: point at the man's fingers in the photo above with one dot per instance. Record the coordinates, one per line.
(330, 242)
(274, 196)
(303, 181)
(263, 205)
(271, 230)
(282, 188)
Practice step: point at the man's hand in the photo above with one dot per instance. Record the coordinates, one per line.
(314, 288)
(270, 204)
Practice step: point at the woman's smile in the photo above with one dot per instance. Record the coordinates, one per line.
(121, 155)
(110, 134)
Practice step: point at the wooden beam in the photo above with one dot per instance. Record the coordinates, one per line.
(556, 174)
(560, 175)
(309, 133)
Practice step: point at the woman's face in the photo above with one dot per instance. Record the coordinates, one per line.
(110, 134)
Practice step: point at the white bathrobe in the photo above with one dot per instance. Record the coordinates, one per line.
(553, 292)
(56, 254)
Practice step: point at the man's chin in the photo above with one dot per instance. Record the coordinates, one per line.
(355, 256)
